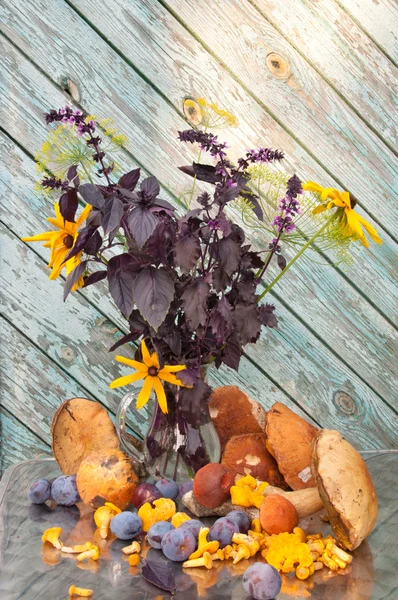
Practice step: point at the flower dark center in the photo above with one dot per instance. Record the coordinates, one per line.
(353, 201)
(68, 241)
(152, 371)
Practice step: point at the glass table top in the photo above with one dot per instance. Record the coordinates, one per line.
(31, 570)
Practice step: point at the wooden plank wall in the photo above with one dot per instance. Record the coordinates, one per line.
(316, 78)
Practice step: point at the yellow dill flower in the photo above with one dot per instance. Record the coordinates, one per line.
(351, 222)
(62, 149)
(150, 371)
(61, 241)
(208, 114)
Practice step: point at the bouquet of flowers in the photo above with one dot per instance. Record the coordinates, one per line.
(188, 282)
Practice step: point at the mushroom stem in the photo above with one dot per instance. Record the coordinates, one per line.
(306, 501)
(77, 591)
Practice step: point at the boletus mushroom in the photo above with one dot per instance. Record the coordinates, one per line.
(345, 487)
(247, 455)
(289, 440)
(233, 412)
(80, 426)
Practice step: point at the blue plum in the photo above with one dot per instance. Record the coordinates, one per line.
(240, 520)
(222, 531)
(39, 491)
(185, 487)
(193, 525)
(168, 488)
(126, 525)
(178, 544)
(64, 490)
(262, 581)
(156, 532)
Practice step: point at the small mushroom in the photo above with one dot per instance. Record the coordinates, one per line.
(289, 440)
(103, 516)
(234, 413)
(78, 591)
(204, 545)
(134, 548)
(93, 552)
(76, 549)
(346, 488)
(134, 560)
(241, 553)
(52, 535)
(204, 561)
(247, 455)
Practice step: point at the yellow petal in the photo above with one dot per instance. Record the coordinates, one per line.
(160, 394)
(169, 377)
(173, 368)
(84, 214)
(320, 208)
(370, 229)
(145, 392)
(127, 379)
(39, 237)
(155, 360)
(353, 222)
(345, 197)
(132, 363)
(311, 186)
(146, 357)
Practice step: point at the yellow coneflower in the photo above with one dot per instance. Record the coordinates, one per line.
(150, 371)
(351, 221)
(61, 241)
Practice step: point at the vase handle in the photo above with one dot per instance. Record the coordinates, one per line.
(120, 423)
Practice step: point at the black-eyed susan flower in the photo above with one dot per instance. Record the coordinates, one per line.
(351, 221)
(149, 370)
(61, 241)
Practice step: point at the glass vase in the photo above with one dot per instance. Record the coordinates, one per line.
(176, 446)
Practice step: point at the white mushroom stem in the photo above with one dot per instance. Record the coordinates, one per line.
(306, 502)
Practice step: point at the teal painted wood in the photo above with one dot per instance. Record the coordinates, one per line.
(379, 20)
(311, 378)
(300, 99)
(360, 328)
(18, 442)
(344, 55)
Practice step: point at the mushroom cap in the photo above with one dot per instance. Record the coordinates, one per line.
(289, 440)
(233, 412)
(346, 488)
(80, 426)
(106, 476)
(247, 455)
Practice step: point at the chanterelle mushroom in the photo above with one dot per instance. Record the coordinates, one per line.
(346, 488)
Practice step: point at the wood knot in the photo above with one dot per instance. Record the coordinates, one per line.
(346, 404)
(71, 89)
(67, 354)
(277, 66)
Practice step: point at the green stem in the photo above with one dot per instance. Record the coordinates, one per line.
(289, 264)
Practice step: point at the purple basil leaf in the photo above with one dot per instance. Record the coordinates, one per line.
(73, 278)
(206, 173)
(95, 277)
(281, 260)
(122, 271)
(225, 225)
(173, 340)
(230, 193)
(141, 223)
(137, 323)
(91, 194)
(251, 260)
(113, 214)
(93, 244)
(129, 180)
(258, 211)
(153, 292)
(150, 186)
(194, 301)
(72, 172)
(159, 573)
(267, 316)
(232, 353)
(68, 205)
(83, 236)
(247, 322)
(193, 403)
(229, 255)
(129, 337)
(94, 219)
(221, 320)
(189, 375)
(163, 205)
(221, 280)
(187, 252)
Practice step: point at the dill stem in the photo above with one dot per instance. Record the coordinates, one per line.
(289, 264)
